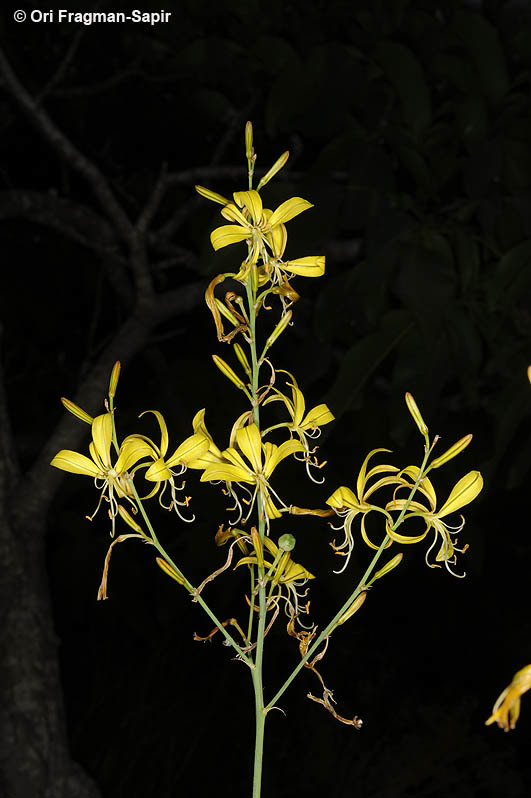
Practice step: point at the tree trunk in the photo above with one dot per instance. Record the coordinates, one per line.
(34, 756)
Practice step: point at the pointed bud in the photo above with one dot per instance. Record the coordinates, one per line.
(76, 411)
(242, 357)
(224, 310)
(113, 382)
(354, 607)
(212, 195)
(282, 564)
(228, 372)
(453, 451)
(163, 565)
(277, 166)
(249, 152)
(279, 329)
(415, 412)
(397, 559)
(257, 545)
(129, 520)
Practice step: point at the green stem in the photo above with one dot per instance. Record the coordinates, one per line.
(187, 585)
(363, 581)
(258, 686)
(256, 672)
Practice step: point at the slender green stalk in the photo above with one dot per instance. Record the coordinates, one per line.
(262, 603)
(363, 581)
(187, 585)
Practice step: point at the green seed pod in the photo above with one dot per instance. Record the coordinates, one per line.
(286, 542)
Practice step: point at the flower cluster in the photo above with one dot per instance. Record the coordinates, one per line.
(414, 481)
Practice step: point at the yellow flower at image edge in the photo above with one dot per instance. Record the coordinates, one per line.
(112, 480)
(506, 710)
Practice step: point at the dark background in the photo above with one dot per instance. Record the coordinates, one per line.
(409, 127)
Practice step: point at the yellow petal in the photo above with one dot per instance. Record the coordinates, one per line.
(250, 443)
(405, 539)
(191, 449)
(226, 472)
(288, 210)
(233, 457)
(311, 266)
(344, 497)
(271, 509)
(233, 214)
(277, 239)
(299, 405)
(133, 449)
(294, 571)
(198, 424)
(102, 437)
(463, 493)
(274, 454)
(425, 486)
(163, 430)
(362, 479)
(158, 471)
(252, 201)
(317, 416)
(228, 234)
(75, 463)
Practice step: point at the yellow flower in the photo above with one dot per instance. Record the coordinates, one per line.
(346, 504)
(506, 710)
(111, 480)
(283, 573)
(253, 468)
(256, 224)
(304, 425)
(464, 492)
(164, 469)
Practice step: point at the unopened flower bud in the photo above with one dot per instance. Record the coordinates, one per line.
(76, 411)
(453, 451)
(397, 559)
(212, 195)
(279, 329)
(228, 372)
(249, 152)
(113, 382)
(415, 412)
(163, 565)
(277, 166)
